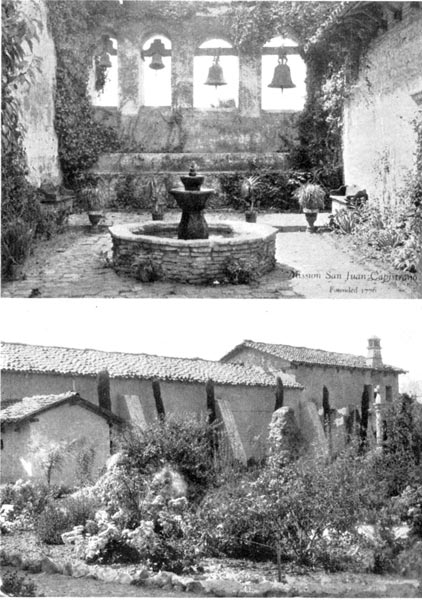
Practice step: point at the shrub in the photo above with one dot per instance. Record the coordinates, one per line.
(129, 194)
(345, 221)
(305, 511)
(51, 523)
(26, 495)
(164, 534)
(15, 585)
(183, 443)
(275, 189)
(61, 516)
(409, 561)
(409, 505)
(241, 272)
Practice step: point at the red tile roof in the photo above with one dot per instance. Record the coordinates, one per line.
(310, 356)
(72, 361)
(26, 408)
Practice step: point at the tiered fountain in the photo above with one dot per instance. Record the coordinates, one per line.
(192, 251)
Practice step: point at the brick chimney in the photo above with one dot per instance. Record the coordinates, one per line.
(374, 358)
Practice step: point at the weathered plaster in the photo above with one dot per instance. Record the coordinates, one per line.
(37, 117)
(379, 139)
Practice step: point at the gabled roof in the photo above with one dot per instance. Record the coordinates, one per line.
(25, 358)
(22, 410)
(310, 356)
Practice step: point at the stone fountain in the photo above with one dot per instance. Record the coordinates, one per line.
(192, 250)
(192, 200)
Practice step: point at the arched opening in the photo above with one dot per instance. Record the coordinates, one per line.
(156, 71)
(106, 77)
(272, 98)
(209, 53)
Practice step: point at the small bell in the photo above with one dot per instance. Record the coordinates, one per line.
(215, 74)
(156, 62)
(282, 78)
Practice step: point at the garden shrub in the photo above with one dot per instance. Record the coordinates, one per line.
(305, 511)
(241, 272)
(129, 194)
(159, 527)
(183, 443)
(13, 584)
(409, 561)
(275, 189)
(61, 516)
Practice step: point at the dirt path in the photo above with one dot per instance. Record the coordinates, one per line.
(308, 266)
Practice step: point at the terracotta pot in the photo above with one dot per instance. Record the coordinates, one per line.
(250, 216)
(157, 216)
(94, 218)
(311, 218)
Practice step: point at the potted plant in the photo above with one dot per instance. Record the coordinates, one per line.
(311, 198)
(89, 195)
(247, 192)
(156, 196)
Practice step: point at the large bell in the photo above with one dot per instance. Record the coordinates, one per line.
(282, 78)
(215, 74)
(156, 62)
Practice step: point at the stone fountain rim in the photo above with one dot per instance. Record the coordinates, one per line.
(245, 232)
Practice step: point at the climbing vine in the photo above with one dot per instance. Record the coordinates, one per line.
(20, 208)
(81, 139)
(334, 36)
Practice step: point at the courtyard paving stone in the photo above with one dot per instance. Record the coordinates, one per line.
(74, 264)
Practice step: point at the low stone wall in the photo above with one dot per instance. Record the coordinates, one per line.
(192, 261)
(126, 173)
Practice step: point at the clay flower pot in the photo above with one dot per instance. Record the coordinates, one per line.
(250, 216)
(157, 215)
(311, 217)
(94, 217)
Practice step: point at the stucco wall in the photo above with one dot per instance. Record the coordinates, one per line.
(154, 129)
(252, 410)
(14, 445)
(63, 423)
(379, 139)
(20, 385)
(37, 119)
(252, 406)
(345, 386)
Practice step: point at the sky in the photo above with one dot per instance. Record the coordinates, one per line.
(210, 328)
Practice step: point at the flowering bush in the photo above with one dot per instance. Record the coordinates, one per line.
(165, 536)
(61, 515)
(21, 502)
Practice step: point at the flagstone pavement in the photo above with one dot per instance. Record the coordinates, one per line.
(75, 264)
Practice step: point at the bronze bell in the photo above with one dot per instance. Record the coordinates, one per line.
(215, 74)
(156, 62)
(282, 78)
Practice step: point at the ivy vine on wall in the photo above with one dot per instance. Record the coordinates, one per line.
(20, 207)
(81, 139)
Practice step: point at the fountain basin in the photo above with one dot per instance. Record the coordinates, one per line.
(193, 261)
